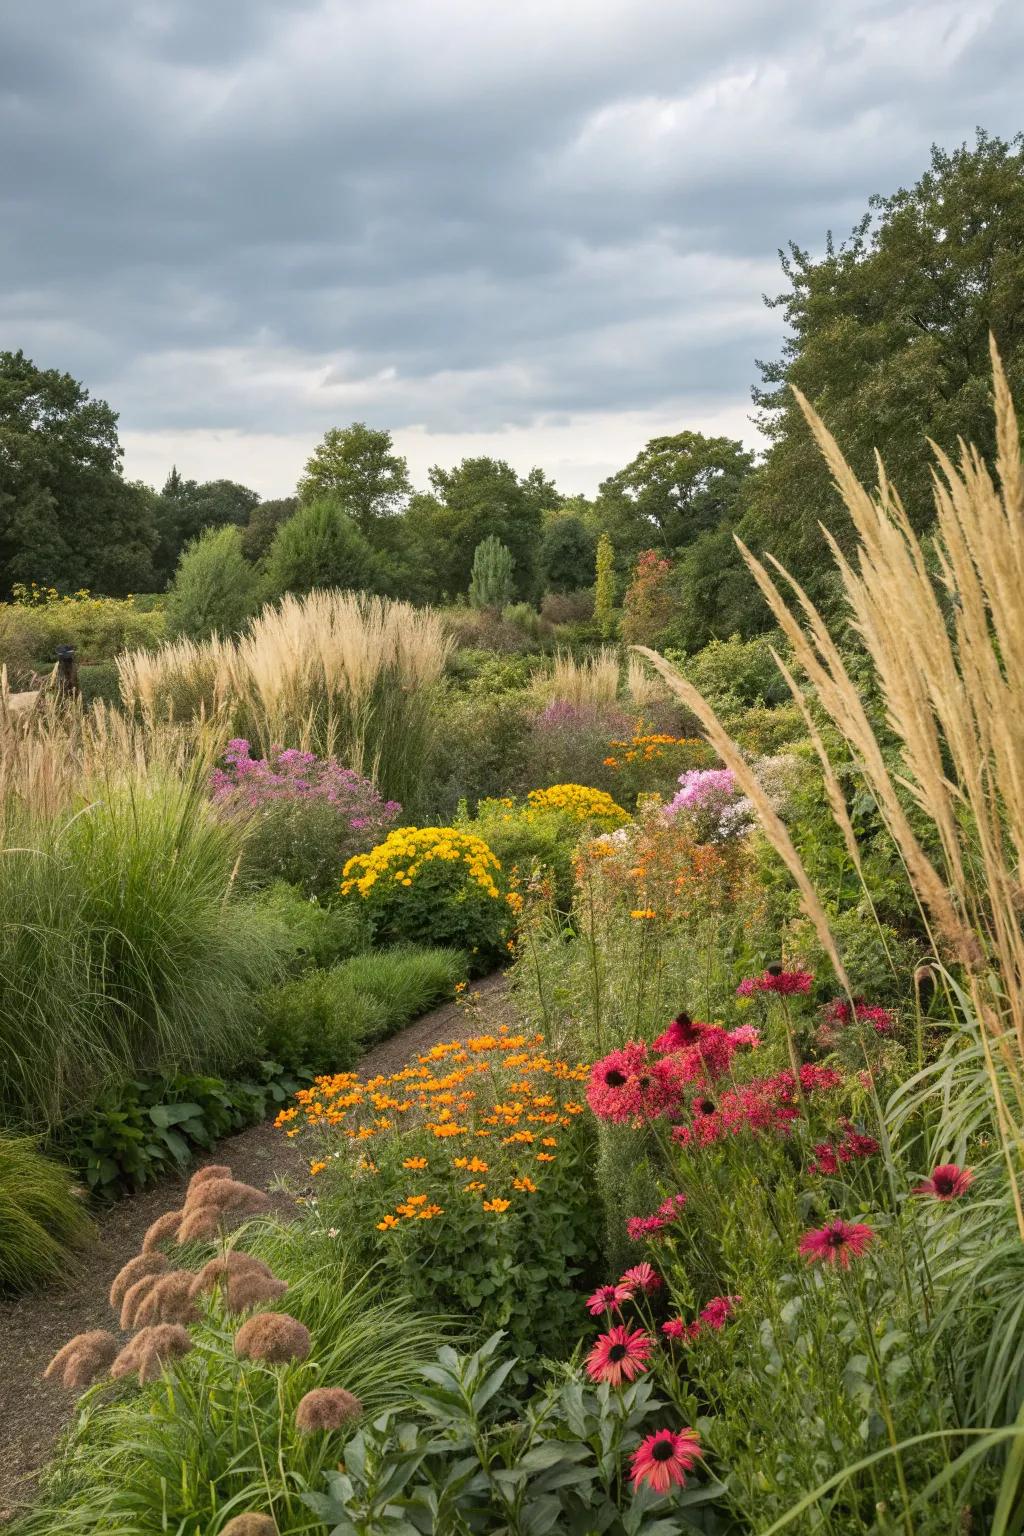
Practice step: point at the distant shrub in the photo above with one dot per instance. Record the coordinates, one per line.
(648, 605)
(321, 1021)
(99, 683)
(478, 748)
(490, 583)
(304, 815)
(320, 546)
(568, 607)
(433, 884)
(42, 1218)
(568, 743)
(736, 672)
(484, 629)
(215, 589)
(533, 845)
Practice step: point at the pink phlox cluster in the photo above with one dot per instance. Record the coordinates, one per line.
(245, 782)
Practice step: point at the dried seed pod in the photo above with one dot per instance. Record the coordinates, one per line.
(168, 1301)
(165, 1226)
(142, 1264)
(250, 1525)
(83, 1359)
(274, 1337)
(327, 1408)
(148, 1352)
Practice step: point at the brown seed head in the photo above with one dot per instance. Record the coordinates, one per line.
(249, 1288)
(274, 1337)
(168, 1301)
(164, 1227)
(234, 1262)
(150, 1349)
(211, 1171)
(327, 1408)
(142, 1264)
(83, 1359)
(134, 1296)
(226, 1195)
(200, 1225)
(250, 1525)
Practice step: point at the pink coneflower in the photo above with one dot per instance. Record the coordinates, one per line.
(642, 1277)
(639, 1227)
(682, 1031)
(623, 1086)
(664, 1458)
(836, 1242)
(619, 1355)
(775, 979)
(607, 1298)
(948, 1182)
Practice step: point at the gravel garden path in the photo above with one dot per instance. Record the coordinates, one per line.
(32, 1328)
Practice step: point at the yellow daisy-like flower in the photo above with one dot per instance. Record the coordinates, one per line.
(498, 1207)
(415, 1162)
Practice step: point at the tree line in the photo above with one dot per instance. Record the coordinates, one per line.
(887, 333)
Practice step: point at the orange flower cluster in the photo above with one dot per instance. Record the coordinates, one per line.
(648, 748)
(662, 872)
(501, 1089)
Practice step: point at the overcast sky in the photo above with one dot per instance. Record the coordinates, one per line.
(534, 228)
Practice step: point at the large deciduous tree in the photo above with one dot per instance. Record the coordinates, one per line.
(673, 491)
(888, 338)
(475, 499)
(67, 516)
(357, 469)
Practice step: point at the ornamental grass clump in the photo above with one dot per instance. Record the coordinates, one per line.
(433, 885)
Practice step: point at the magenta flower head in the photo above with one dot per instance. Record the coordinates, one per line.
(608, 1298)
(663, 1459)
(619, 1355)
(836, 1243)
(948, 1182)
(624, 1086)
(778, 980)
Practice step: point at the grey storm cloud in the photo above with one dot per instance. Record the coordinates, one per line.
(270, 215)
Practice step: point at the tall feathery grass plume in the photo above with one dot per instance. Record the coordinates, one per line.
(590, 683)
(948, 655)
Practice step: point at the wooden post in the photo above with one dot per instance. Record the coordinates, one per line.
(67, 673)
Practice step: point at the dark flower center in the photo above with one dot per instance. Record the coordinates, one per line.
(615, 1079)
(663, 1450)
(944, 1183)
(836, 1238)
(706, 1106)
(617, 1352)
(774, 970)
(683, 1020)
(644, 1081)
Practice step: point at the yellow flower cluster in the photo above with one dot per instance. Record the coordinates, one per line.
(406, 850)
(580, 802)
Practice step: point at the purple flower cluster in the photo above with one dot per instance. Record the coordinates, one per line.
(247, 783)
(711, 797)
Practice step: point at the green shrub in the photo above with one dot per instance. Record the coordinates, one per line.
(477, 749)
(735, 672)
(406, 979)
(322, 1020)
(433, 885)
(121, 951)
(302, 842)
(318, 1022)
(41, 1217)
(528, 843)
(215, 589)
(320, 546)
(99, 683)
(317, 934)
(217, 1438)
(145, 1130)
